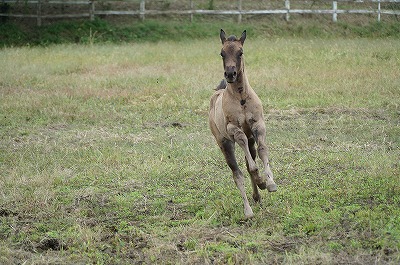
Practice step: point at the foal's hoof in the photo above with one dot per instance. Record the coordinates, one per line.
(249, 215)
(262, 185)
(256, 197)
(272, 187)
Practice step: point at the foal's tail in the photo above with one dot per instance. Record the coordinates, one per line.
(221, 85)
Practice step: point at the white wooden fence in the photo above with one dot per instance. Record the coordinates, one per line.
(89, 9)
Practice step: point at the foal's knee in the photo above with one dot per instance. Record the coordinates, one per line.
(240, 138)
(238, 135)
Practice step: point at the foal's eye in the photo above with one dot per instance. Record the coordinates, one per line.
(222, 55)
(240, 54)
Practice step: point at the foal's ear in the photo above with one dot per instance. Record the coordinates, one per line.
(222, 36)
(243, 37)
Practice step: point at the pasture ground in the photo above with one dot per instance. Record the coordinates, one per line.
(106, 156)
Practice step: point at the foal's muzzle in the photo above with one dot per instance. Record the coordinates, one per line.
(230, 74)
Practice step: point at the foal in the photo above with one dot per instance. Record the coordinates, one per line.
(236, 115)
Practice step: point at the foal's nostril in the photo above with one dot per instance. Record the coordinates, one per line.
(230, 74)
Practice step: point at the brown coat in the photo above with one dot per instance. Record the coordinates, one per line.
(236, 116)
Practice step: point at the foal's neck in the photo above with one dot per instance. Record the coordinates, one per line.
(241, 85)
(241, 88)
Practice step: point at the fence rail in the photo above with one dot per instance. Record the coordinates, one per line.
(142, 12)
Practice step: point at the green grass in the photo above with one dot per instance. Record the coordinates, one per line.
(106, 156)
(128, 30)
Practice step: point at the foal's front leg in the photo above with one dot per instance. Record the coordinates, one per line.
(228, 149)
(247, 146)
(254, 175)
(259, 133)
(240, 137)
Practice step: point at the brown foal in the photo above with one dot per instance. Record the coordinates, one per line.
(236, 116)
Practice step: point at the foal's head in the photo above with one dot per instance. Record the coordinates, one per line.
(232, 51)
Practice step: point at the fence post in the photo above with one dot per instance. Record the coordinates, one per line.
(91, 10)
(142, 9)
(191, 10)
(287, 6)
(379, 10)
(39, 13)
(334, 16)
(240, 11)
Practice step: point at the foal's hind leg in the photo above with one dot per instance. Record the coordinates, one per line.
(253, 175)
(228, 149)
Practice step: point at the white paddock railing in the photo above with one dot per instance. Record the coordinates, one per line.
(89, 9)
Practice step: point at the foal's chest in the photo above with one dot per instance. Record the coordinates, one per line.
(241, 108)
(241, 115)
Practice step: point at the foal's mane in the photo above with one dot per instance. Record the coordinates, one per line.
(221, 85)
(232, 38)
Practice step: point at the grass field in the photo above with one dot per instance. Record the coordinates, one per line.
(106, 156)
